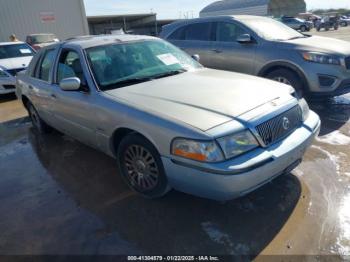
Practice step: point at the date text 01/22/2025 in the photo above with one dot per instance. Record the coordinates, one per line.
(173, 258)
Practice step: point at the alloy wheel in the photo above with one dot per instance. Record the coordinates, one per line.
(142, 169)
(282, 79)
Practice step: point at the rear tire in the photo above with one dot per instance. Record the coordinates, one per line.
(37, 122)
(288, 77)
(141, 167)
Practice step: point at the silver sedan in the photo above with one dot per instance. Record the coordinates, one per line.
(169, 122)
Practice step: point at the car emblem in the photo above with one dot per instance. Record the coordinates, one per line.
(285, 123)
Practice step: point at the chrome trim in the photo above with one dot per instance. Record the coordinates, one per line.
(271, 131)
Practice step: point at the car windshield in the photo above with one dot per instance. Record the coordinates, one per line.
(270, 29)
(38, 39)
(15, 50)
(122, 64)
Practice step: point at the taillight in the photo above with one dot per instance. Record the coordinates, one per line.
(36, 47)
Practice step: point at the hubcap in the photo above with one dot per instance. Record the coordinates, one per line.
(142, 169)
(282, 79)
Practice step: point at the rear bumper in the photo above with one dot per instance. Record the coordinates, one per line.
(7, 85)
(238, 179)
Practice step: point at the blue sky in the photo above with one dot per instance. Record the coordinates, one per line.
(176, 8)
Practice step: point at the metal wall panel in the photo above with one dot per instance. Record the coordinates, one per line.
(65, 18)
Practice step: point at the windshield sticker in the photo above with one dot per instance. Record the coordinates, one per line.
(25, 51)
(168, 59)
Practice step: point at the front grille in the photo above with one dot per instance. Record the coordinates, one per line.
(280, 126)
(9, 86)
(347, 62)
(13, 72)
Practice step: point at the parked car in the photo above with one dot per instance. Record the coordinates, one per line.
(14, 57)
(327, 23)
(344, 20)
(313, 65)
(297, 23)
(169, 122)
(38, 41)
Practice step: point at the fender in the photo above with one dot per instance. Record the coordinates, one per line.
(284, 64)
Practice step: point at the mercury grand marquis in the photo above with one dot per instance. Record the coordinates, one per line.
(169, 122)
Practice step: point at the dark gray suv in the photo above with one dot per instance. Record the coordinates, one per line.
(313, 65)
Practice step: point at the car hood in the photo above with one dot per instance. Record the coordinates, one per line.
(204, 98)
(14, 63)
(321, 44)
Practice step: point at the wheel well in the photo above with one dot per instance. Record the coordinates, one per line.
(268, 70)
(118, 136)
(25, 101)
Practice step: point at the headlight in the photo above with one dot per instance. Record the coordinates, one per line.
(197, 150)
(3, 74)
(304, 108)
(238, 143)
(321, 58)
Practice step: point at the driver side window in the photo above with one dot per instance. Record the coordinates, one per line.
(228, 32)
(69, 65)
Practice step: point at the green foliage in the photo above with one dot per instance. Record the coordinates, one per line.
(341, 11)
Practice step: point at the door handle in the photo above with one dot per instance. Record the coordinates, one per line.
(216, 51)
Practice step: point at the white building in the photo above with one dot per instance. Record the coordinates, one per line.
(254, 7)
(65, 18)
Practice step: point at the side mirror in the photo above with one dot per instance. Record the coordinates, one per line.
(70, 84)
(244, 39)
(196, 57)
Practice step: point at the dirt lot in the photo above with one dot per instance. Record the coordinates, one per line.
(343, 33)
(61, 197)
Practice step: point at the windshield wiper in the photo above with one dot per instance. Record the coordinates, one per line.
(127, 82)
(169, 73)
(297, 37)
(138, 80)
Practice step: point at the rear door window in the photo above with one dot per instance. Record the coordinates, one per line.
(46, 65)
(179, 34)
(198, 32)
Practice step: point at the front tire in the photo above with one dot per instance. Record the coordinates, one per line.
(37, 122)
(303, 28)
(141, 167)
(288, 77)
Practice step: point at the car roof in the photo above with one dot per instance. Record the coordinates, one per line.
(167, 29)
(92, 41)
(11, 43)
(214, 18)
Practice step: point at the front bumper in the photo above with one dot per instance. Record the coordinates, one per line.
(7, 85)
(237, 177)
(338, 79)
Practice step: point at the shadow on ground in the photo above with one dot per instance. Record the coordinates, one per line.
(175, 224)
(334, 113)
(7, 97)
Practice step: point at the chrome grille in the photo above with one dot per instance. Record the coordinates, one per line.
(280, 126)
(347, 62)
